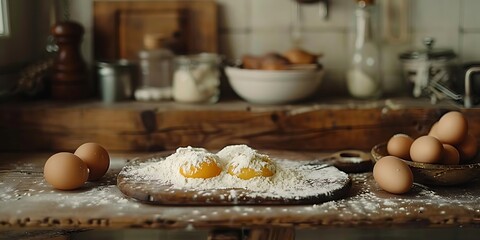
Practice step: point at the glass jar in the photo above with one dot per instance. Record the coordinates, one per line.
(116, 80)
(156, 69)
(364, 75)
(196, 78)
(424, 68)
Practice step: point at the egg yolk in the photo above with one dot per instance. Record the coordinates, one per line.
(246, 173)
(206, 169)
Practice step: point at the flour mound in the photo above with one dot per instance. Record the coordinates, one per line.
(188, 157)
(293, 179)
(239, 157)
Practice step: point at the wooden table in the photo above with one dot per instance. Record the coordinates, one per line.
(28, 203)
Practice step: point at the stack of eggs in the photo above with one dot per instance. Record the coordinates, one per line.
(448, 143)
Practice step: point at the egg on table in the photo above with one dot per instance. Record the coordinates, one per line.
(393, 175)
(65, 171)
(96, 157)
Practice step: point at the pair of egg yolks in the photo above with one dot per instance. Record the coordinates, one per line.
(209, 168)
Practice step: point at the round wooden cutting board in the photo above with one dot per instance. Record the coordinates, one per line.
(158, 193)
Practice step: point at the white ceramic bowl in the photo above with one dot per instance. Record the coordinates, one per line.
(274, 86)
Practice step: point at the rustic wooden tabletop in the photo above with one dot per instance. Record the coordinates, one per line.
(28, 202)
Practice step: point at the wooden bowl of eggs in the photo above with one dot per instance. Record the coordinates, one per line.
(435, 174)
(447, 156)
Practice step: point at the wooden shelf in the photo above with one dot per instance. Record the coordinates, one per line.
(135, 126)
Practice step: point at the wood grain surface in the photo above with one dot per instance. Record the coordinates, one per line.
(159, 193)
(27, 202)
(137, 126)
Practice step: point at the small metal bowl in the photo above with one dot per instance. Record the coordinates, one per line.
(435, 174)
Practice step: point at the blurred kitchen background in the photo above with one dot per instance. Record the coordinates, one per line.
(260, 26)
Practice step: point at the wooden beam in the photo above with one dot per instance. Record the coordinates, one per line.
(133, 126)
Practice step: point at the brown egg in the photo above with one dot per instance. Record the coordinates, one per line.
(468, 148)
(433, 130)
(251, 62)
(399, 146)
(393, 175)
(96, 158)
(450, 155)
(65, 171)
(426, 149)
(300, 56)
(274, 61)
(452, 128)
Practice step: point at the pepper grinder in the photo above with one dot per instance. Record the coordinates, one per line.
(69, 77)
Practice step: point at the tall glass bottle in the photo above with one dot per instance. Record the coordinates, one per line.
(364, 74)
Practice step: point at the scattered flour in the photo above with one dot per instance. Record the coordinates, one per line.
(366, 205)
(293, 179)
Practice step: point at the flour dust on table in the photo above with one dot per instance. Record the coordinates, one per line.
(236, 174)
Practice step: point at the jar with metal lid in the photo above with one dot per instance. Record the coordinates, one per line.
(428, 69)
(156, 69)
(116, 80)
(196, 78)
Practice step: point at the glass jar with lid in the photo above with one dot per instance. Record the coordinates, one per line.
(426, 67)
(156, 69)
(196, 78)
